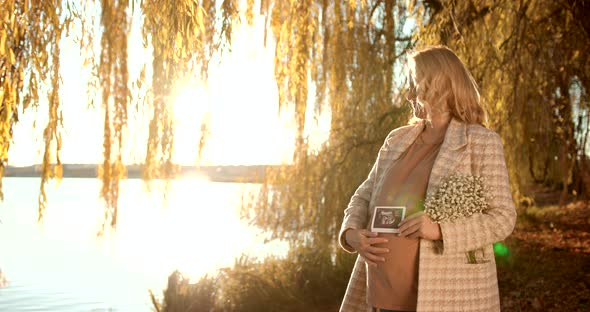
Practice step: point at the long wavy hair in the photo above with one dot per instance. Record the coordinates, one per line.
(439, 82)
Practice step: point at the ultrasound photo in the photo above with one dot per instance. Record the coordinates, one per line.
(386, 219)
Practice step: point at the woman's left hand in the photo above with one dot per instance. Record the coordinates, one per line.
(419, 225)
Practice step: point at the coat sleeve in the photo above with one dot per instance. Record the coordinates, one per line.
(355, 215)
(495, 223)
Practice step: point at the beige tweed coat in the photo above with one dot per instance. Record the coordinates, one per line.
(446, 282)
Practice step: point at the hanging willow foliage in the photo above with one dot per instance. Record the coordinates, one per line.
(183, 35)
(113, 77)
(184, 38)
(528, 58)
(29, 60)
(348, 50)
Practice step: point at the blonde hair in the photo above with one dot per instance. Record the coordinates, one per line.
(444, 84)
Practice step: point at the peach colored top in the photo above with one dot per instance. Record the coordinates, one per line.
(393, 284)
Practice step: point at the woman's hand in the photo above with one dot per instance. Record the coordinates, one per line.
(419, 225)
(362, 241)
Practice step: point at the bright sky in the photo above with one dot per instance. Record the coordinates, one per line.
(240, 94)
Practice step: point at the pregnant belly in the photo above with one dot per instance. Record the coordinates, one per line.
(399, 247)
(394, 283)
(401, 262)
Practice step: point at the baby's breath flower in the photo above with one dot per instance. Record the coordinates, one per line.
(458, 196)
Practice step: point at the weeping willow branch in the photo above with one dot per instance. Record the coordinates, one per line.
(113, 77)
(29, 58)
(12, 45)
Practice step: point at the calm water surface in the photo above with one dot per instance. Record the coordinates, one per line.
(63, 266)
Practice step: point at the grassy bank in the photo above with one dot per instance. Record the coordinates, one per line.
(305, 280)
(547, 268)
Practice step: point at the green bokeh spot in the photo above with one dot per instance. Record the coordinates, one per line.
(500, 249)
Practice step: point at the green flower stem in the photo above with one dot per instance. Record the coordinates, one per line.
(471, 256)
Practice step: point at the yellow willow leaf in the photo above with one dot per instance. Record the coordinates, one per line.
(58, 172)
(178, 41)
(200, 18)
(12, 59)
(12, 21)
(250, 12)
(575, 55)
(13, 95)
(3, 42)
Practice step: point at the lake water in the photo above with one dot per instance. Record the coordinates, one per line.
(62, 265)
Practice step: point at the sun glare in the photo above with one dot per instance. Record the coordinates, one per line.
(239, 100)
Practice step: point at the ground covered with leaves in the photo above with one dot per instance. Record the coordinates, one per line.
(548, 264)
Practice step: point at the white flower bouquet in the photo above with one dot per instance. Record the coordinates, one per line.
(458, 196)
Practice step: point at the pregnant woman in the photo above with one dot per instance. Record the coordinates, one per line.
(424, 268)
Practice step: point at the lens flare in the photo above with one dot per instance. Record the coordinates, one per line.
(501, 249)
